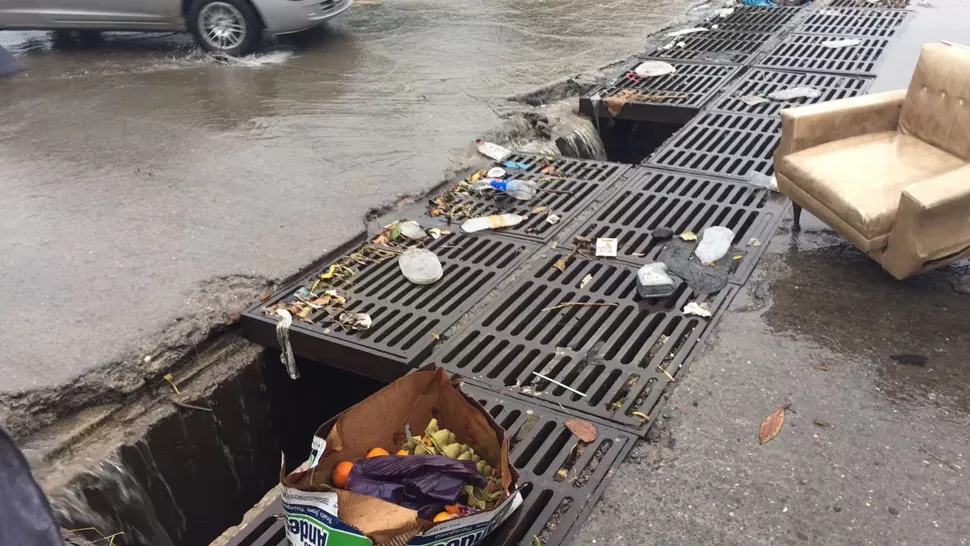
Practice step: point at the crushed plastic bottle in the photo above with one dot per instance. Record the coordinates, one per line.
(495, 221)
(523, 190)
(714, 244)
(795, 93)
(420, 266)
(654, 282)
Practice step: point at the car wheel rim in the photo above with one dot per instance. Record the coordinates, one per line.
(223, 26)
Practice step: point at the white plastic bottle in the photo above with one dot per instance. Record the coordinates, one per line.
(523, 190)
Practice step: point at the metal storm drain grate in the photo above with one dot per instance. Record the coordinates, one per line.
(715, 45)
(562, 477)
(758, 82)
(405, 315)
(607, 352)
(896, 4)
(881, 23)
(755, 19)
(589, 170)
(684, 202)
(806, 52)
(723, 145)
(672, 98)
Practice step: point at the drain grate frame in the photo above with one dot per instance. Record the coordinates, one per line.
(405, 315)
(684, 202)
(763, 81)
(804, 52)
(713, 46)
(854, 22)
(609, 353)
(756, 19)
(722, 145)
(697, 81)
(540, 445)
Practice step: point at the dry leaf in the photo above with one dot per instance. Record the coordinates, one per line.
(560, 264)
(538, 210)
(436, 336)
(548, 169)
(819, 422)
(584, 430)
(643, 416)
(688, 236)
(821, 367)
(554, 245)
(771, 426)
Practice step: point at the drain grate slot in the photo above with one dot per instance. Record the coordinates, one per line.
(589, 170)
(723, 145)
(756, 19)
(880, 23)
(683, 202)
(894, 4)
(590, 349)
(762, 82)
(805, 52)
(713, 46)
(404, 314)
(672, 98)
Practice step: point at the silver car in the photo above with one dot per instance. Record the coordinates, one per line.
(232, 27)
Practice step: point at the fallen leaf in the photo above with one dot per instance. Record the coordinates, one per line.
(436, 336)
(553, 219)
(688, 236)
(584, 430)
(538, 210)
(560, 264)
(585, 280)
(548, 169)
(821, 367)
(396, 232)
(771, 426)
(819, 422)
(554, 245)
(328, 274)
(643, 416)
(739, 257)
(265, 296)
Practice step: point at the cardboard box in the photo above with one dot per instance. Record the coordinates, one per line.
(318, 514)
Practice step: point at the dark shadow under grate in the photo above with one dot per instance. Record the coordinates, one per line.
(722, 145)
(684, 202)
(855, 22)
(617, 356)
(806, 52)
(405, 315)
(755, 19)
(672, 98)
(713, 46)
(763, 82)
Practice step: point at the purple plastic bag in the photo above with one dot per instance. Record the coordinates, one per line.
(420, 482)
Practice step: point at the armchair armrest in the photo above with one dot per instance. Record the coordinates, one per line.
(805, 127)
(932, 223)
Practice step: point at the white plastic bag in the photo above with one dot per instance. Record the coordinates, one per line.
(714, 244)
(420, 266)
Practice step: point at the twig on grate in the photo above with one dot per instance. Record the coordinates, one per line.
(554, 382)
(582, 304)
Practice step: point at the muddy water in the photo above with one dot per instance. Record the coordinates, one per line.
(136, 171)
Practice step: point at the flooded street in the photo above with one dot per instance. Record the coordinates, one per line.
(140, 176)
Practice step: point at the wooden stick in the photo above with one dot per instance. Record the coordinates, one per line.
(554, 382)
(581, 304)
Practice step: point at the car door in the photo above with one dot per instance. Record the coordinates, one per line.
(112, 14)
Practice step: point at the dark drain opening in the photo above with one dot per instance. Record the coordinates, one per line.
(628, 141)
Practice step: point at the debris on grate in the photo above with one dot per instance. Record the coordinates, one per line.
(755, 19)
(682, 202)
(713, 46)
(855, 22)
(405, 317)
(722, 145)
(671, 98)
(758, 82)
(266, 529)
(805, 52)
(595, 347)
(891, 4)
(589, 170)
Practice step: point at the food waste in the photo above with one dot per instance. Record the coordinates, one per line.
(434, 474)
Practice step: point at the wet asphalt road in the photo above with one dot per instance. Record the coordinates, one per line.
(136, 173)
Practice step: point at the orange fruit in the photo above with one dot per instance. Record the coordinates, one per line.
(377, 452)
(403, 452)
(342, 473)
(442, 516)
(451, 508)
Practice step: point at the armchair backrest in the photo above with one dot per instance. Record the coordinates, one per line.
(937, 105)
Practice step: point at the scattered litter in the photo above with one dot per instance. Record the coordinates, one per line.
(283, 337)
(654, 68)
(754, 242)
(643, 416)
(771, 426)
(554, 382)
(171, 381)
(681, 44)
(821, 367)
(435, 233)
(819, 422)
(554, 245)
(584, 430)
(724, 12)
(653, 281)
(688, 236)
(606, 246)
(715, 27)
(840, 43)
(795, 93)
(553, 219)
(420, 266)
(355, 321)
(662, 233)
(714, 244)
(548, 169)
(837, 12)
(492, 150)
(682, 32)
(538, 210)
(496, 221)
(496, 172)
(694, 308)
(670, 377)
(738, 257)
(413, 230)
(581, 304)
(753, 100)
(523, 190)
(561, 263)
(761, 180)
(515, 165)
(585, 281)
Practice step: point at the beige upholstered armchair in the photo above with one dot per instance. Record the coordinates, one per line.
(889, 171)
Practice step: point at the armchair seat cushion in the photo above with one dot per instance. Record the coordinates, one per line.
(861, 179)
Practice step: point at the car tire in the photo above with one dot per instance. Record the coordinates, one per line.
(229, 27)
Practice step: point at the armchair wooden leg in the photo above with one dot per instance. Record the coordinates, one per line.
(798, 216)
